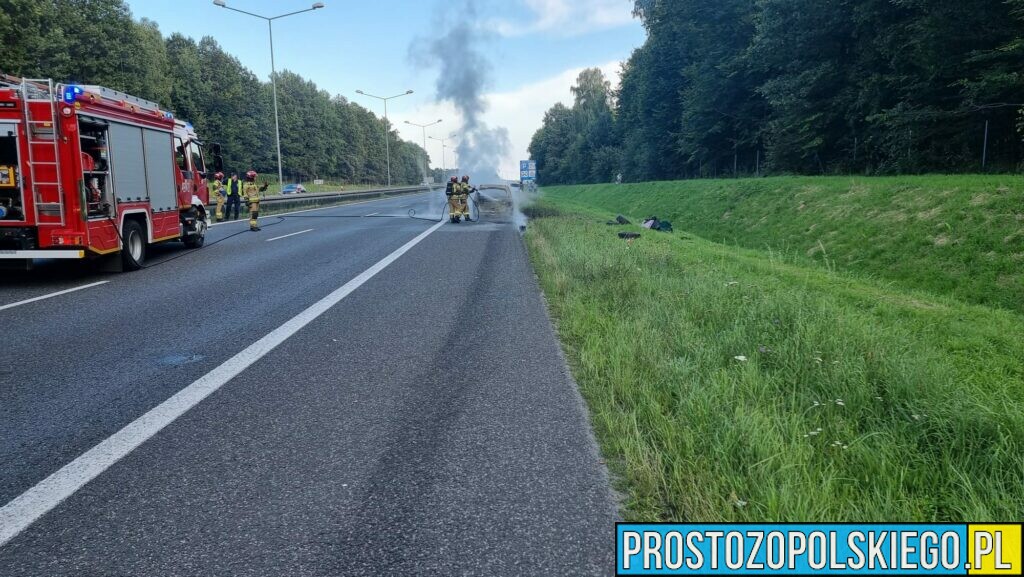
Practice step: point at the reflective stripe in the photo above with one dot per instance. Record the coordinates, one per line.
(21, 254)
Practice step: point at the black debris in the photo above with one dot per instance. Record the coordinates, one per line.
(654, 223)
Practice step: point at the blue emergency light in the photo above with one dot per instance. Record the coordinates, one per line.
(71, 93)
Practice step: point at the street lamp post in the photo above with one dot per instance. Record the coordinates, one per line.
(425, 127)
(387, 129)
(444, 144)
(273, 71)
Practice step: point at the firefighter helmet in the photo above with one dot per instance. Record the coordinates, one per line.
(251, 175)
(219, 175)
(455, 179)
(465, 179)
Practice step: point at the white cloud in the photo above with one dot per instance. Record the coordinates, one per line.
(568, 17)
(521, 111)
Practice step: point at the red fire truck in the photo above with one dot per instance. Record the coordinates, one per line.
(87, 171)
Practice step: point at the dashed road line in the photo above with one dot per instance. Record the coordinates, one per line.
(51, 295)
(292, 234)
(25, 509)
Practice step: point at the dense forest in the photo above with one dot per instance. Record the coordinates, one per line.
(98, 42)
(749, 87)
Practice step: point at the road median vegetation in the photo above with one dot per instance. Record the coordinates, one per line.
(950, 235)
(735, 384)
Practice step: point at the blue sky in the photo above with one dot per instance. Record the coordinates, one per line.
(536, 48)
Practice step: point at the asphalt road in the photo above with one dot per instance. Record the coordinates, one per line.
(423, 423)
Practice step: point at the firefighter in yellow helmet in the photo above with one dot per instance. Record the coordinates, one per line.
(251, 191)
(466, 189)
(217, 194)
(452, 192)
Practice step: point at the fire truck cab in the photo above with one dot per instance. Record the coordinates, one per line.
(86, 171)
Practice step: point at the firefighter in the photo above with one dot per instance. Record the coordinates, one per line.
(252, 191)
(465, 190)
(233, 194)
(452, 192)
(217, 192)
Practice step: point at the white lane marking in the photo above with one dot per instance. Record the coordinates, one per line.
(372, 214)
(51, 295)
(292, 234)
(26, 508)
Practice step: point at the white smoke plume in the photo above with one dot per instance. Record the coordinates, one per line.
(463, 75)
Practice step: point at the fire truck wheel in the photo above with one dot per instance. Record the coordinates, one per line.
(133, 250)
(199, 238)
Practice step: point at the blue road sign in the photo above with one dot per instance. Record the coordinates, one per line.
(528, 170)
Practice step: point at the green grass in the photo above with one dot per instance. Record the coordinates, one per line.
(930, 426)
(274, 191)
(952, 235)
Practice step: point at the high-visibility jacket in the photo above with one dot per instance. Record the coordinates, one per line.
(233, 187)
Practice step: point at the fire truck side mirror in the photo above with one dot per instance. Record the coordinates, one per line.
(218, 160)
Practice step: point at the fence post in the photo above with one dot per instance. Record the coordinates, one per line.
(984, 149)
(910, 146)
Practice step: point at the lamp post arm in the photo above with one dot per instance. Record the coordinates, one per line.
(288, 14)
(244, 12)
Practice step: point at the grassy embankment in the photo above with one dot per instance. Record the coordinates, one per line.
(728, 383)
(959, 235)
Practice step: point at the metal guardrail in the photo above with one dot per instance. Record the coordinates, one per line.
(308, 199)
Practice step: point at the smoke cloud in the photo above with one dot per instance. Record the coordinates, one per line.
(463, 75)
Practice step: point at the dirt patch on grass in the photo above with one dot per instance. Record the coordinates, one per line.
(913, 303)
(894, 216)
(857, 190)
(929, 214)
(941, 240)
(980, 199)
(541, 210)
(1008, 280)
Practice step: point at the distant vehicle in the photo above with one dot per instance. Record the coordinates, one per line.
(293, 189)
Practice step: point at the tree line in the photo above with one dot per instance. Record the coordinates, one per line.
(98, 42)
(744, 87)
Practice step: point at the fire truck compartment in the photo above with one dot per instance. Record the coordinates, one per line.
(12, 201)
(93, 140)
(142, 166)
